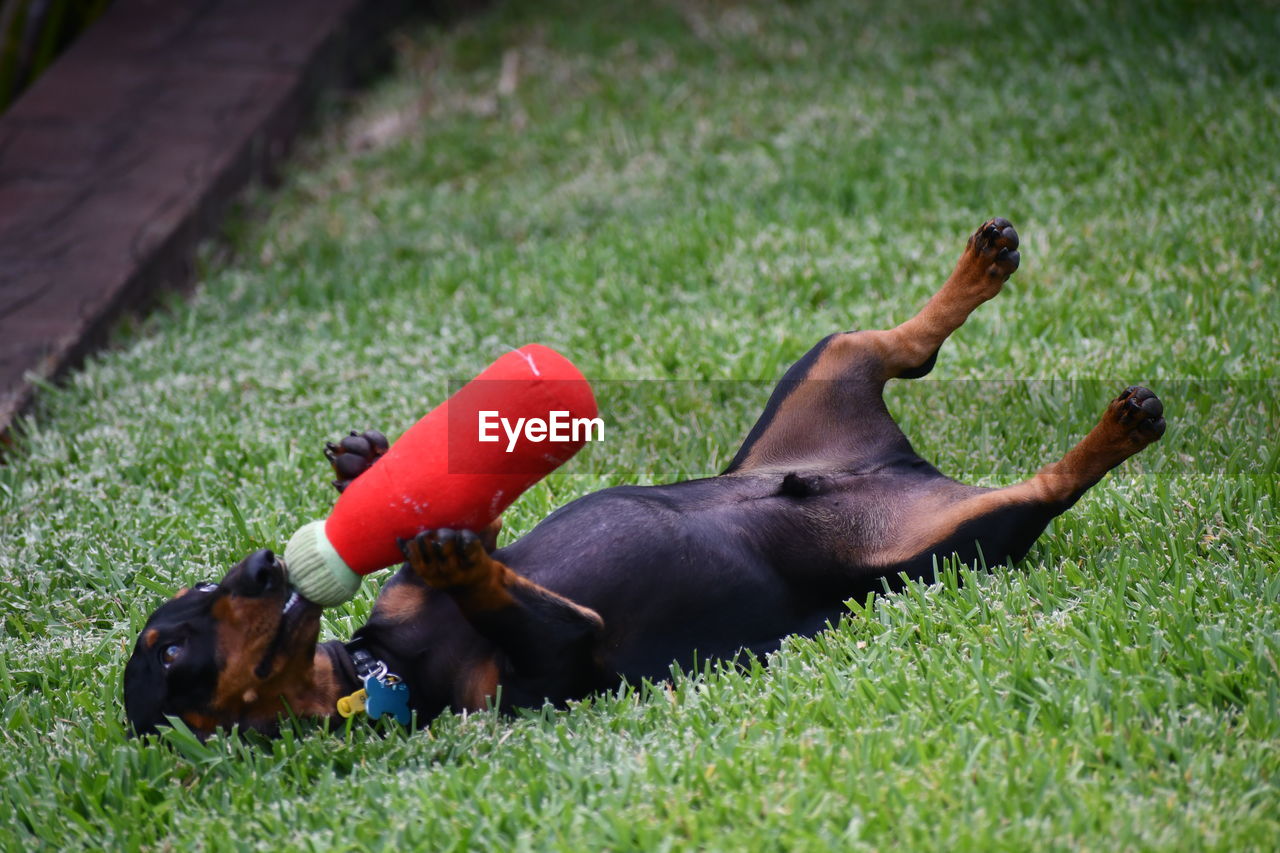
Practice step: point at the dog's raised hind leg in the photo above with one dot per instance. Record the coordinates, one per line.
(1005, 522)
(990, 257)
(828, 409)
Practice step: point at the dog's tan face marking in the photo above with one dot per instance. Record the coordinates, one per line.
(264, 658)
(240, 652)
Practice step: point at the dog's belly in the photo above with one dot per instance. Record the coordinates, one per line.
(679, 573)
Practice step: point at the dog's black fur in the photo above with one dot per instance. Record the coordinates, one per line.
(826, 500)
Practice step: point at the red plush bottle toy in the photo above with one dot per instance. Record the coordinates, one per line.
(460, 467)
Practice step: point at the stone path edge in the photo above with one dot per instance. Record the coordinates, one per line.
(128, 151)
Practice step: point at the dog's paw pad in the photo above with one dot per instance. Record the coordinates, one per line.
(1139, 411)
(996, 242)
(354, 454)
(447, 558)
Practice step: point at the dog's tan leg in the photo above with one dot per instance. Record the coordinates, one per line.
(1013, 517)
(990, 257)
(828, 409)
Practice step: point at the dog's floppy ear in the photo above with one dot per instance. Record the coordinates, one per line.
(146, 692)
(154, 690)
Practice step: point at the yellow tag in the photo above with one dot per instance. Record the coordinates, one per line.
(353, 704)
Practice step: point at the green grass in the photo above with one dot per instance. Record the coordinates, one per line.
(697, 192)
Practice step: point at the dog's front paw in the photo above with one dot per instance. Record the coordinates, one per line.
(353, 455)
(996, 245)
(448, 559)
(1137, 416)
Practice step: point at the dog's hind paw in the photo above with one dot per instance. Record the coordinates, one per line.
(1139, 415)
(996, 243)
(353, 455)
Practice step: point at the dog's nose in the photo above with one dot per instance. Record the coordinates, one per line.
(261, 572)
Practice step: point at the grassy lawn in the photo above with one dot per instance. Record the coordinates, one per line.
(695, 192)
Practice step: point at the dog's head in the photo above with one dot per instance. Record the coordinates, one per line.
(216, 655)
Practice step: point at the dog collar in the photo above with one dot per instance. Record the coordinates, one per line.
(383, 693)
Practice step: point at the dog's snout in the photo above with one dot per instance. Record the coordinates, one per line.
(262, 572)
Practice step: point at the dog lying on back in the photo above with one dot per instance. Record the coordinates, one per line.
(825, 501)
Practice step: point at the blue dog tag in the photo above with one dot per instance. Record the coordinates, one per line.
(387, 694)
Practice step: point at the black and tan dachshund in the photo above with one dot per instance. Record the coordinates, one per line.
(825, 501)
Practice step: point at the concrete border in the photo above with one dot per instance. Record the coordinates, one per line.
(127, 151)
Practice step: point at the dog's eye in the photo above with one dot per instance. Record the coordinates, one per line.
(170, 654)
